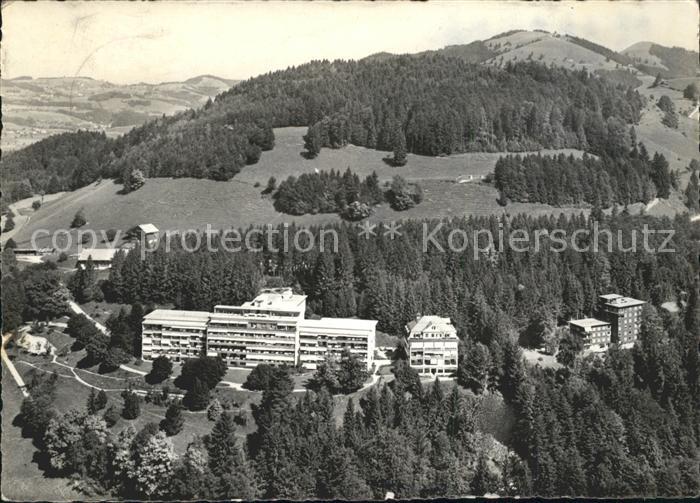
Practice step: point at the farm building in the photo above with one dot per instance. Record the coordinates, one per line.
(101, 257)
(148, 233)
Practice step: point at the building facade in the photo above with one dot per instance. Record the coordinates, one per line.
(619, 321)
(269, 329)
(624, 315)
(332, 336)
(432, 345)
(595, 334)
(176, 334)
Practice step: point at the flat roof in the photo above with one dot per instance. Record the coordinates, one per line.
(620, 301)
(97, 254)
(338, 323)
(432, 324)
(282, 299)
(175, 315)
(148, 228)
(610, 296)
(588, 322)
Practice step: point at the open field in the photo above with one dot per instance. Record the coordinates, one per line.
(680, 145)
(185, 203)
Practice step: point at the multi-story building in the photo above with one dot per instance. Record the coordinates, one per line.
(432, 345)
(619, 321)
(264, 330)
(624, 315)
(595, 334)
(176, 334)
(269, 329)
(332, 336)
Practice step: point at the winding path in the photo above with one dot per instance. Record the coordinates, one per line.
(11, 367)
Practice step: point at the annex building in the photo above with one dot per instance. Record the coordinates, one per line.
(269, 329)
(619, 320)
(432, 345)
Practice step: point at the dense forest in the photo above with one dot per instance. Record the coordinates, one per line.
(561, 180)
(331, 192)
(524, 106)
(432, 104)
(484, 293)
(326, 192)
(623, 425)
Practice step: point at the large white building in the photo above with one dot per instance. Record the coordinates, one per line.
(269, 329)
(432, 345)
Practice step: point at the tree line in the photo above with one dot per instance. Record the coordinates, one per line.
(396, 103)
(331, 192)
(606, 181)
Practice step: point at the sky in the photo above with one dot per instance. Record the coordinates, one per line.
(171, 41)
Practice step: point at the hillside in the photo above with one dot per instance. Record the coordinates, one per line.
(36, 108)
(375, 103)
(186, 203)
(670, 62)
(531, 91)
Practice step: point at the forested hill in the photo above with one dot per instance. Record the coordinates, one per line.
(438, 104)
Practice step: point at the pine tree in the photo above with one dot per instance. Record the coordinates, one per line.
(197, 397)
(91, 402)
(399, 148)
(100, 400)
(173, 422)
(215, 410)
(484, 480)
(132, 408)
(222, 445)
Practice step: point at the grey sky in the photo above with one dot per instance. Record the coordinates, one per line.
(163, 41)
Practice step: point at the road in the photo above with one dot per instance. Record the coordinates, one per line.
(79, 310)
(10, 366)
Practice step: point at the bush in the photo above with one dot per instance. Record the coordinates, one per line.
(135, 180)
(266, 377)
(691, 92)
(132, 405)
(271, 185)
(36, 205)
(162, 369)
(78, 219)
(670, 119)
(62, 257)
(207, 369)
(404, 195)
(111, 416)
(197, 398)
(9, 224)
(214, 411)
(356, 211)
(173, 422)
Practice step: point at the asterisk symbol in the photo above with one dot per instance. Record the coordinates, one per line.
(393, 230)
(367, 229)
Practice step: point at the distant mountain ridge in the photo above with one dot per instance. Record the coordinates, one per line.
(34, 108)
(521, 90)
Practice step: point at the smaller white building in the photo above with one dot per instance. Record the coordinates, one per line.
(148, 234)
(433, 345)
(595, 334)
